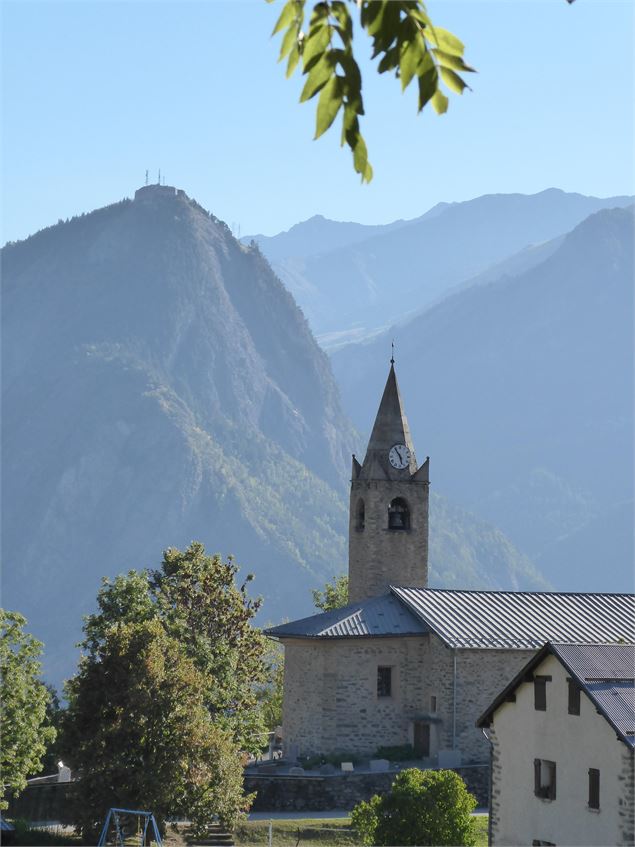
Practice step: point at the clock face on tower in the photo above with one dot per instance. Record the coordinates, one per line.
(399, 456)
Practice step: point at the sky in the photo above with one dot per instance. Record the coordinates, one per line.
(95, 92)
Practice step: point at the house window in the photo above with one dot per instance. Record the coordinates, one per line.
(594, 788)
(398, 514)
(545, 779)
(574, 697)
(433, 703)
(384, 681)
(540, 693)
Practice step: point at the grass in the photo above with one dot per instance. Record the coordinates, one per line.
(307, 832)
(317, 833)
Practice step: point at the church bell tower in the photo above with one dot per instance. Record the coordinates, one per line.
(388, 526)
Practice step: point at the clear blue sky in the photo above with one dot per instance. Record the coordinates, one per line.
(96, 92)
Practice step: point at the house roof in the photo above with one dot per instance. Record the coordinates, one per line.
(477, 619)
(378, 616)
(605, 672)
(520, 619)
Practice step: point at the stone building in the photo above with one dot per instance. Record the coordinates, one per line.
(403, 663)
(562, 734)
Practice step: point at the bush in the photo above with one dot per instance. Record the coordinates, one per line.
(423, 808)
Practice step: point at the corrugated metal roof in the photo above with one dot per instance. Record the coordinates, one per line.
(520, 619)
(607, 673)
(379, 616)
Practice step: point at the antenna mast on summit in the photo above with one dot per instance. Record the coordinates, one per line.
(146, 176)
(159, 180)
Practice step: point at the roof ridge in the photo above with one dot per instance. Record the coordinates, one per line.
(511, 591)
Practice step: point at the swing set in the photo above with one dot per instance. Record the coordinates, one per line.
(119, 818)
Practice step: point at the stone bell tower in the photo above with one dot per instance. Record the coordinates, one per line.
(388, 526)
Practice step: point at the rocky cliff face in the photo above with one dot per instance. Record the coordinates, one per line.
(159, 385)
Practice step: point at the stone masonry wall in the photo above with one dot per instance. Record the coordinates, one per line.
(627, 800)
(480, 677)
(331, 704)
(339, 791)
(377, 556)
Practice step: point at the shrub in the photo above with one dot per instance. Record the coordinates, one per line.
(401, 753)
(423, 808)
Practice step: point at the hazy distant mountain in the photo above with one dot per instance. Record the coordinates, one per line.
(317, 235)
(372, 281)
(521, 391)
(160, 385)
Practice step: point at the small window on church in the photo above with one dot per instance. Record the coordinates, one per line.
(360, 516)
(384, 681)
(398, 514)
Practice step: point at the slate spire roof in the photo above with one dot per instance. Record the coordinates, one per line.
(390, 428)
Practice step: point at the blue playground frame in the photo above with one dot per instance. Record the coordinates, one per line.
(119, 839)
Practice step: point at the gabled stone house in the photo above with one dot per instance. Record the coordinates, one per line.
(562, 735)
(403, 663)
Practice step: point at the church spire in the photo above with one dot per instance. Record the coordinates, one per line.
(390, 430)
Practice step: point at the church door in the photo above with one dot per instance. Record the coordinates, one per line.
(422, 739)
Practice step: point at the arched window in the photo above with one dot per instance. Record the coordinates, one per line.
(360, 515)
(398, 514)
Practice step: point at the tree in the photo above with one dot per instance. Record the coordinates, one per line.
(422, 807)
(404, 40)
(334, 596)
(24, 698)
(143, 737)
(271, 693)
(197, 601)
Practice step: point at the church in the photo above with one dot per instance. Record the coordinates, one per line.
(404, 664)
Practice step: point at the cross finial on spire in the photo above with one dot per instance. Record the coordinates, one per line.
(392, 357)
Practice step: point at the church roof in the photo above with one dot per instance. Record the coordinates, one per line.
(477, 619)
(378, 616)
(605, 672)
(520, 619)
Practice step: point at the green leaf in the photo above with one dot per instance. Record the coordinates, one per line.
(294, 58)
(439, 102)
(410, 55)
(340, 12)
(319, 75)
(315, 45)
(447, 42)
(428, 85)
(286, 16)
(329, 105)
(450, 61)
(452, 80)
(389, 61)
(290, 38)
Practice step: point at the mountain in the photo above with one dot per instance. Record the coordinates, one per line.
(160, 385)
(317, 235)
(351, 291)
(522, 391)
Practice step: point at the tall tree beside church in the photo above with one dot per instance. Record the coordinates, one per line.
(198, 603)
(142, 736)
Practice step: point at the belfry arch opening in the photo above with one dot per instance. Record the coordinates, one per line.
(398, 514)
(360, 515)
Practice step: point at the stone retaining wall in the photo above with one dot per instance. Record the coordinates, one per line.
(274, 793)
(340, 791)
